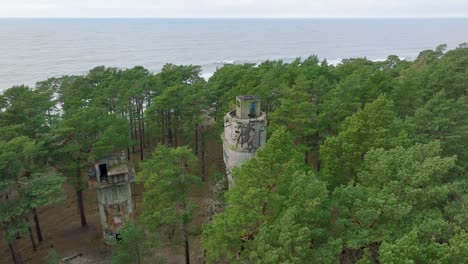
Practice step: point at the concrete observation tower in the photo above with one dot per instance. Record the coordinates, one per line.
(111, 177)
(244, 133)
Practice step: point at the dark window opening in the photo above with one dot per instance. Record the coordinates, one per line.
(103, 172)
(252, 110)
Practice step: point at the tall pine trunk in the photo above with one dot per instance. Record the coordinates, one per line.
(79, 194)
(15, 254)
(124, 116)
(187, 248)
(203, 157)
(145, 137)
(79, 198)
(135, 132)
(317, 142)
(31, 237)
(37, 225)
(140, 128)
(169, 130)
(176, 128)
(163, 128)
(196, 140)
(132, 125)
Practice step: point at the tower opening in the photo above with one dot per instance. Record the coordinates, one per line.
(103, 172)
(252, 111)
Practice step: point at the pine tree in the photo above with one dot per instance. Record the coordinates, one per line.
(167, 177)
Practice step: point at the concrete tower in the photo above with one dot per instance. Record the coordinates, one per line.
(111, 177)
(244, 133)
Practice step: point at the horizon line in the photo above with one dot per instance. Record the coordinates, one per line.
(246, 18)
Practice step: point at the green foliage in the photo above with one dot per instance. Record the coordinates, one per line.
(134, 247)
(84, 136)
(52, 257)
(397, 192)
(371, 127)
(299, 233)
(44, 189)
(351, 94)
(28, 109)
(25, 183)
(388, 140)
(299, 117)
(167, 177)
(446, 120)
(259, 207)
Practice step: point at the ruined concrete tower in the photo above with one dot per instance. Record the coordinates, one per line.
(112, 177)
(244, 133)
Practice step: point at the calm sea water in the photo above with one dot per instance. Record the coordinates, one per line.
(35, 49)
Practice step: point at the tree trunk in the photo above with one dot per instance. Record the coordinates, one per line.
(141, 131)
(169, 131)
(145, 137)
(176, 130)
(31, 237)
(135, 132)
(15, 254)
(127, 117)
(79, 197)
(203, 159)
(134, 196)
(163, 129)
(374, 249)
(187, 249)
(12, 252)
(196, 140)
(317, 142)
(132, 134)
(37, 225)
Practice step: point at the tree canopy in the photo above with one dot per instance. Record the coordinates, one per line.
(365, 161)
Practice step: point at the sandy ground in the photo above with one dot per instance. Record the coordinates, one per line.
(61, 229)
(61, 226)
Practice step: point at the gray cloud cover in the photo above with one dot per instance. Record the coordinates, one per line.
(233, 8)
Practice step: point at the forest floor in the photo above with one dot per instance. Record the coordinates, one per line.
(62, 230)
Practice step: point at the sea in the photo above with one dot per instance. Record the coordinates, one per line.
(32, 50)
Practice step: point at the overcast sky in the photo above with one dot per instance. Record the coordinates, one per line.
(234, 8)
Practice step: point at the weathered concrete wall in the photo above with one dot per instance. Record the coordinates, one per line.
(111, 162)
(244, 134)
(113, 192)
(234, 158)
(242, 137)
(115, 207)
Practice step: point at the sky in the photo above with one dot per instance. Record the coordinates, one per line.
(234, 8)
